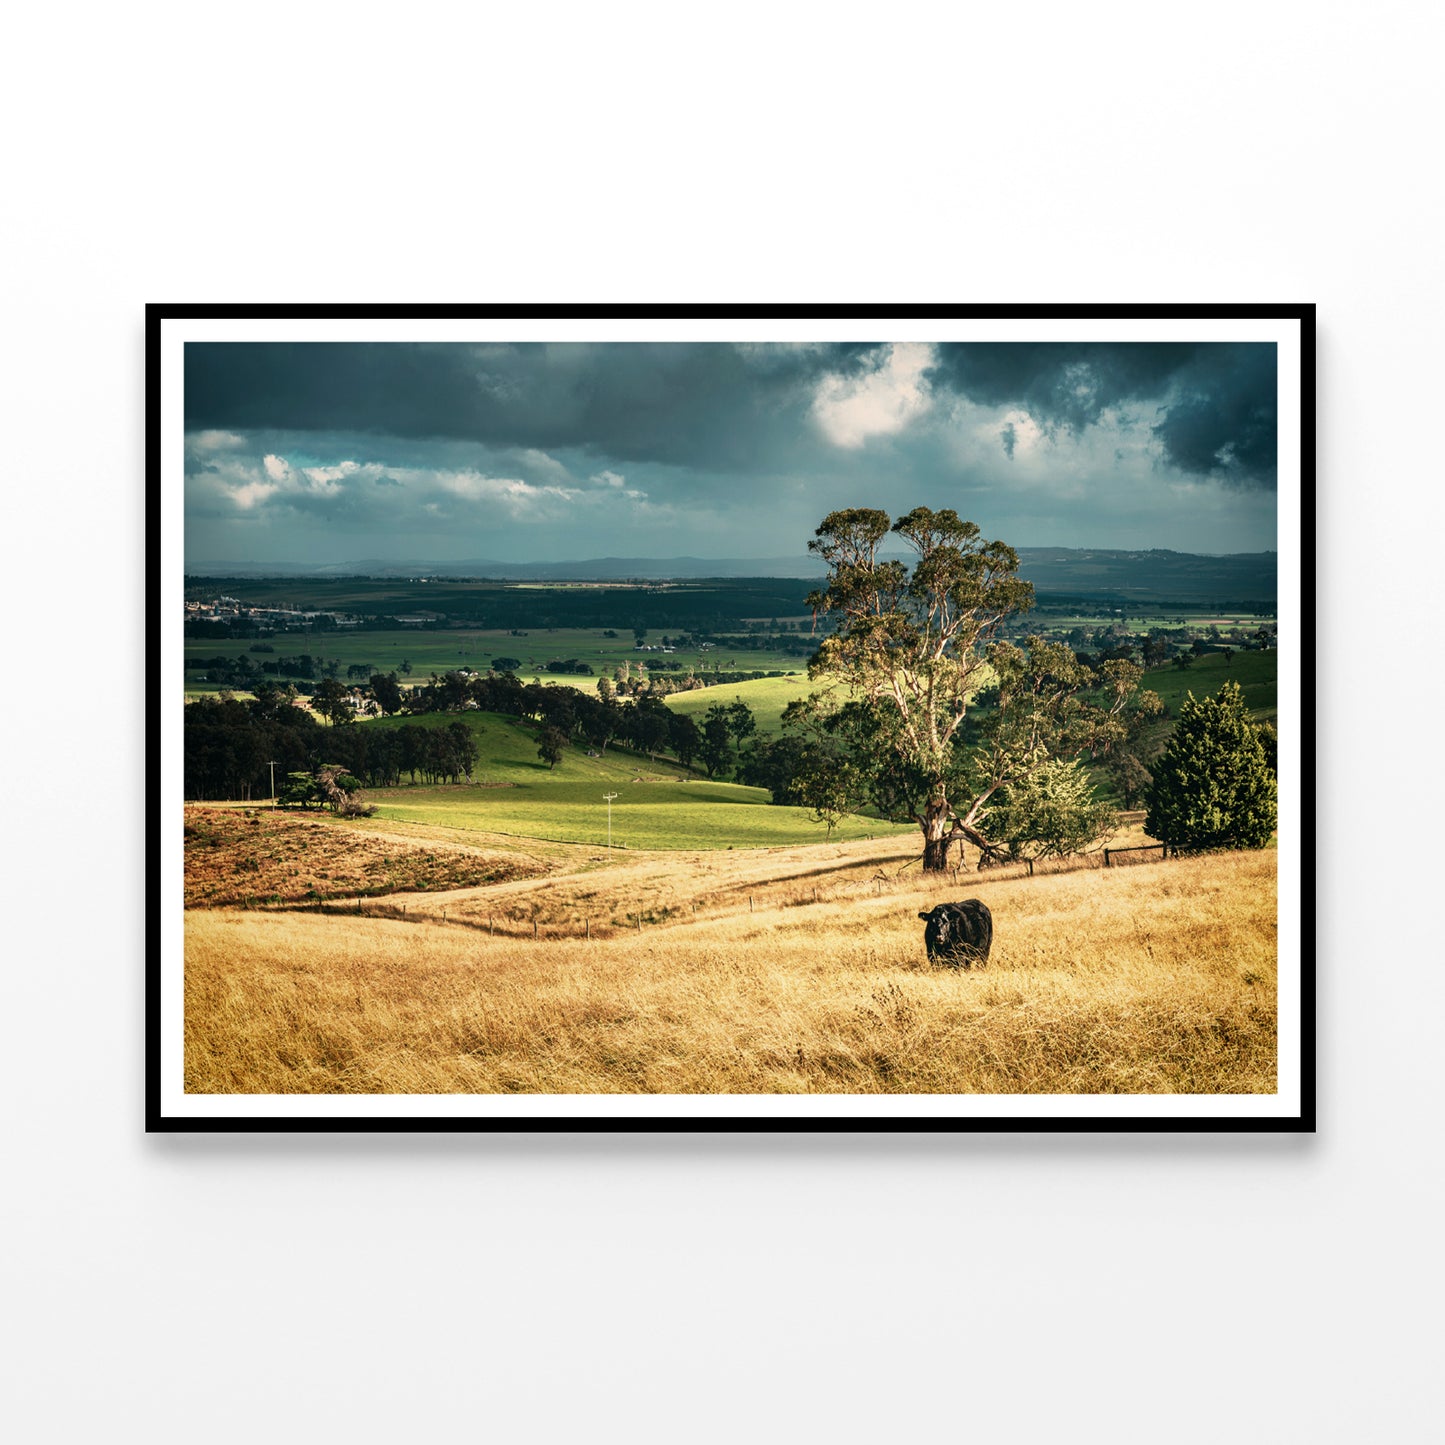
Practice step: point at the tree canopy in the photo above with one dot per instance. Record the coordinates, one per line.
(911, 652)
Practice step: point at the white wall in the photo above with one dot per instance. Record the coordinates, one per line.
(1113, 1289)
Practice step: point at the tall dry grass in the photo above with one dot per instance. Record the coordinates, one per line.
(1158, 979)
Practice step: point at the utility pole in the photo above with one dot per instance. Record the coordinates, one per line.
(272, 766)
(609, 797)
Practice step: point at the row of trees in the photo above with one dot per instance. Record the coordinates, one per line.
(234, 749)
(230, 745)
(704, 611)
(567, 715)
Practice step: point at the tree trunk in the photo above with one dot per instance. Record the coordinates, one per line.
(937, 835)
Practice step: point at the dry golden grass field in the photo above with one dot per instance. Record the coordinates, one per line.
(243, 855)
(747, 972)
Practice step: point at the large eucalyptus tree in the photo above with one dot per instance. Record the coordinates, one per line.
(912, 648)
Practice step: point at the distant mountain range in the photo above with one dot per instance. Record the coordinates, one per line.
(1135, 575)
(595, 569)
(1145, 575)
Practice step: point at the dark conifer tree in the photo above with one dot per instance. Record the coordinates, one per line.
(1213, 787)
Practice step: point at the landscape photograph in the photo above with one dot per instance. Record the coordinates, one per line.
(729, 717)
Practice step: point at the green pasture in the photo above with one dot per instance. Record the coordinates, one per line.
(196, 688)
(1255, 672)
(767, 697)
(665, 606)
(1047, 622)
(507, 753)
(474, 648)
(570, 808)
(658, 804)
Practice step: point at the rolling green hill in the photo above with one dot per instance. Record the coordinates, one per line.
(666, 814)
(659, 804)
(1255, 672)
(767, 697)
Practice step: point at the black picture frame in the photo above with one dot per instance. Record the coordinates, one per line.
(164, 321)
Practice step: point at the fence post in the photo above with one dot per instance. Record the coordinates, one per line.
(534, 930)
(1031, 867)
(587, 924)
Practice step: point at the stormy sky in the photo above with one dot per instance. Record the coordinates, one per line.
(314, 452)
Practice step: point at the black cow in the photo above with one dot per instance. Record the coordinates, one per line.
(958, 934)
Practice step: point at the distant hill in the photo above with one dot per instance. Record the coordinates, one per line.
(1134, 576)
(1142, 576)
(595, 569)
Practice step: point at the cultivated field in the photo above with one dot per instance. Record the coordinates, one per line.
(429, 651)
(720, 973)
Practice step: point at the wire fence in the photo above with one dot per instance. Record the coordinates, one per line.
(1115, 857)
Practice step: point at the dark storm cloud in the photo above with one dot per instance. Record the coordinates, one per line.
(1224, 420)
(549, 451)
(725, 407)
(684, 404)
(1220, 399)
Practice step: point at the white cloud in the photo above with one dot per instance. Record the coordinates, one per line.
(328, 476)
(357, 495)
(1017, 433)
(880, 402)
(251, 494)
(521, 500)
(214, 441)
(540, 463)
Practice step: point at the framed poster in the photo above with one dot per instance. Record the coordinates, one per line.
(687, 718)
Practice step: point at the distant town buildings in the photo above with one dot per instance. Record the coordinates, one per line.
(227, 609)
